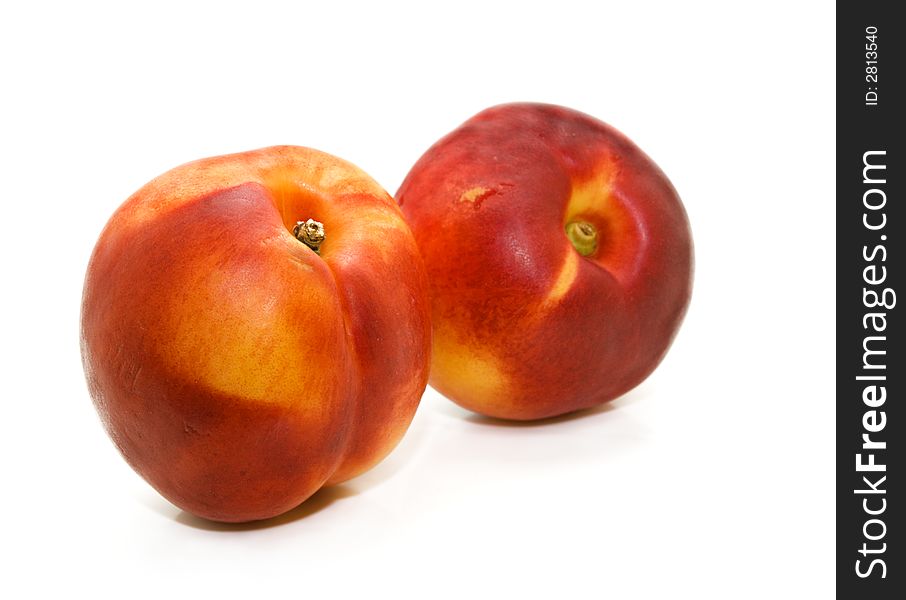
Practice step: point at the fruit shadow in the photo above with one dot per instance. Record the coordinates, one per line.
(316, 503)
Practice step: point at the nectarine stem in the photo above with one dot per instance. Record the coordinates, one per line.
(310, 233)
(583, 236)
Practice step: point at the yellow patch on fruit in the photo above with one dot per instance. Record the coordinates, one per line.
(264, 329)
(473, 194)
(592, 195)
(564, 281)
(461, 371)
(245, 358)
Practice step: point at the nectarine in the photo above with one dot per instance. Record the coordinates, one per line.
(559, 260)
(255, 326)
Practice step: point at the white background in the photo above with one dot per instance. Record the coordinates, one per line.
(713, 479)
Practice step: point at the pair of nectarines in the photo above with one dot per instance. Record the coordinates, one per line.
(258, 325)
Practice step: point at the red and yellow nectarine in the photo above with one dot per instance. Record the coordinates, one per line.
(239, 365)
(559, 260)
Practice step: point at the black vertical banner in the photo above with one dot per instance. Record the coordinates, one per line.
(871, 367)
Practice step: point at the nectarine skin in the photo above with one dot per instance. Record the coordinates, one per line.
(236, 369)
(525, 325)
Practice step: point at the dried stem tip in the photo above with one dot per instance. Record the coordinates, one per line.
(310, 233)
